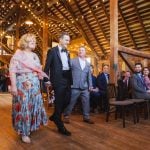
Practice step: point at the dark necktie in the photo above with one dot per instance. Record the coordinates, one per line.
(64, 50)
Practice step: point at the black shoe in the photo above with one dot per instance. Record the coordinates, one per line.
(89, 121)
(64, 131)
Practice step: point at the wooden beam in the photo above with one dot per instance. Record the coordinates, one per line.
(141, 22)
(133, 52)
(126, 26)
(18, 23)
(10, 13)
(114, 40)
(6, 48)
(65, 19)
(98, 43)
(78, 25)
(45, 33)
(128, 63)
(106, 14)
(99, 25)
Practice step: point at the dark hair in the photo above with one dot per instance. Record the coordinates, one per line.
(63, 34)
(145, 68)
(103, 65)
(138, 64)
(148, 69)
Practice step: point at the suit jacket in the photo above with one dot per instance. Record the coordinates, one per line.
(102, 82)
(53, 67)
(81, 78)
(94, 81)
(138, 87)
(124, 91)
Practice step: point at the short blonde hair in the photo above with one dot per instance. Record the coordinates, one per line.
(25, 39)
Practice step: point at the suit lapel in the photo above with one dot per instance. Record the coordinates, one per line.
(104, 78)
(86, 65)
(58, 54)
(68, 55)
(78, 63)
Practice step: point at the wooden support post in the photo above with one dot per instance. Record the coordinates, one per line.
(17, 26)
(114, 41)
(45, 34)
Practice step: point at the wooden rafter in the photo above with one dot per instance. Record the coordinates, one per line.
(126, 26)
(128, 63)
(18, 24)
(8, 50)
(106, 13)
(141, 22)
(65, 19)
(78, 25)
(99, 25)
(98, 43)
(10, 13)
(133, 52)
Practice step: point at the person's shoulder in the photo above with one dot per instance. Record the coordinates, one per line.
(134, 75)
(52, 50)
(18, 54)
(74, 59)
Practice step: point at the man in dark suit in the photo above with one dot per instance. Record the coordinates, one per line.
(58, 66)
(125, 87)
(102, 81)
(140, 90)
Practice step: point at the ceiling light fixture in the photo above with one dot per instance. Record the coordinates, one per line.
(28, 22)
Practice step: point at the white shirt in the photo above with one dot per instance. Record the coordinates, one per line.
(106, 76)
(64, 59)
(82, 63)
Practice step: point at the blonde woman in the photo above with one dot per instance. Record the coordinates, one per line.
(28, 112)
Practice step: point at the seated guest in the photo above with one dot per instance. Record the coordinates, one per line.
(146, 74)
(102, 81)
(124, 86)
(139, 88)
(94, 93)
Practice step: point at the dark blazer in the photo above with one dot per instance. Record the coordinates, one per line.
(94, 84)
(102, 82)
(124, 91)
(53, 67)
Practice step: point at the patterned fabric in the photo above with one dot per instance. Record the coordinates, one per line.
(147, 82)
(28, 112)
(21, 63)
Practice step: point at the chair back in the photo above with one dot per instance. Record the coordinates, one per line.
(111, 91)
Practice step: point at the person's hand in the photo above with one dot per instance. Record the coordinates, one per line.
(13, 91)
(96, 89)
(90, 88)
(148, 91)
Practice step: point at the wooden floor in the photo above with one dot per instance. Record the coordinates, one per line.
(100, 136)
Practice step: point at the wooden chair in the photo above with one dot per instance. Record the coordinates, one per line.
(141, 103)
(112, 95)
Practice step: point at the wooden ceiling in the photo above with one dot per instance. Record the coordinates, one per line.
(87, 19)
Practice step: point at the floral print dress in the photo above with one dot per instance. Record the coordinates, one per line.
(28, 112)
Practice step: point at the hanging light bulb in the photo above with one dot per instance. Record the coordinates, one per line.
(28, 22)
